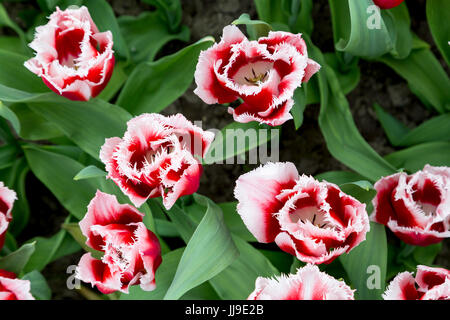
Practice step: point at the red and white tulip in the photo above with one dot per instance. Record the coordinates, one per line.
(309, 283)
(387, 4)
(263, 73)
(157, 157)
(429, 284)
(415, 207)
(132, 253)
(314, 221)
(73, 58)
(7, 198)
(12, 288)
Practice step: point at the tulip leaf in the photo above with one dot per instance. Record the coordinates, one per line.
(425, 76)
(230, 284)
(56, 172)
(210, 250)
(23, 79)
(434, 129)
(359, 28)
(255, 28)
(237, 138)
(171, 12)
(416, 157)
(339, 177)
(152, 86)
(89, 172)
(343, 139)
(147, 34)
(366, 264)
(16, 261)
(98, 119)
(299, 106)
(437, 17)
(9, 115)
(39, 286)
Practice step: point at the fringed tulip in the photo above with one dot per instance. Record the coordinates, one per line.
(415, 207)
(157, 157)
(314, 221)
(7, 198)
(12, 288)
(263, 73)
(429, 284)
(73, 58)
(309, 283)
(132, 253)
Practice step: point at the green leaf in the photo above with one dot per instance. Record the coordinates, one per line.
(8, 155)
(152, 86)
(395, 130)
(234, 221)
(147, 34)
(437, 17)
(90, 172)
(398, 21)
(209, 251)
(415, 158)
(39, 286)
(56, 172)
(7, 22)
(434, 129)
(299, 106)
(368, 259)
(339, 177)
(9, 115)
(237, 138)
(103, 15)
(425, 76)
(343, 139)
(171, 12)
(98, 119)
(23, 79)
(255, 28)
(352, 34)
(427, 255)
(231, 284)
(16, 261)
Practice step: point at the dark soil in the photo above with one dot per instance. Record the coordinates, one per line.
(305, 147)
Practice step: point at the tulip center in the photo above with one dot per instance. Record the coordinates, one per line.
(253, 74)
(311, 214)
(117, 256)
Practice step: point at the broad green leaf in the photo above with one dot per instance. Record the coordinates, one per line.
(23, 79)
(343, 139)
(147, 34)
(166, 228)
(16, 261)
(32, 125)
(171, 12)
(281, 260)
(255, 28)
(299, 106)
(97, 118)
(46, 248)
(348, 75)
(437, 18)
(425, 76)
(271, 11)
(8, 155)
(394, 129)
(359, 30)
(238, 280)
(368, 259)
(154, 85)
(234, 221)
(434, 129)
(182, 222)
(103, 15)
(415, 158)
(237, 138)
(209, 251)
(56, 172)
(427, 255)
(9, 115)
(14, 44)
(339, 177)
(90, 172)
(398, 22)
(39, 286)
